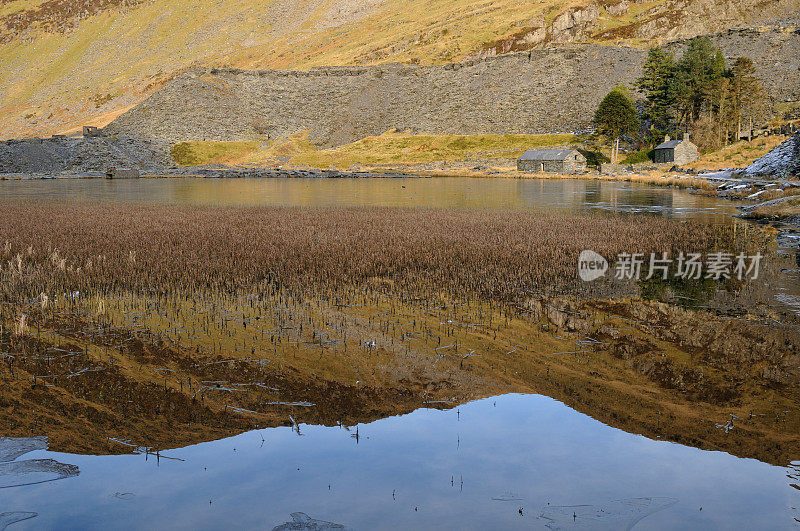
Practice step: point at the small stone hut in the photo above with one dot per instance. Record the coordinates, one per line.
(90, 131)
(678, 152)
(560, 160)
(122, 173)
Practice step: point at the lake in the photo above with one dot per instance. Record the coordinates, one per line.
(513, 461)
(505, 462)
(440, 192)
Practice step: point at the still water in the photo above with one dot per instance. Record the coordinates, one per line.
(513, 461)
(444, 192)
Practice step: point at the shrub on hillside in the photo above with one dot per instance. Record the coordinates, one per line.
(639, 157)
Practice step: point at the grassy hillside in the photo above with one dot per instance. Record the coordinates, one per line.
(398, 148)
(388, 148)
(58, 71)
(193, 153)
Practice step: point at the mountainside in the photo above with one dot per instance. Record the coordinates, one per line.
(539, 91)
(64, 63)
(520, 92)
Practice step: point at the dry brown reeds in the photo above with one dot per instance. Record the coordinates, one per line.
(170, 317)
(165, 249)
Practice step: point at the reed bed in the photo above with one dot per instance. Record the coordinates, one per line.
(170, 249)
(169, 325)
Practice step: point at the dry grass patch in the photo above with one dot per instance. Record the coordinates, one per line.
(650, 178)
(206, 152)
(738, 155)
(783, 209)
(404, 148)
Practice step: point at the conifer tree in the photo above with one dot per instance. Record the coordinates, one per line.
(615, 117)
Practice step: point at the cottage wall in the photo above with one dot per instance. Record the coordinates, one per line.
(664, 155)
(529, 166)
(685, 153)
(575, 164)
(553, 166)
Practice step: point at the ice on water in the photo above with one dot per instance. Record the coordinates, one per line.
(617, 514)
(303, 522)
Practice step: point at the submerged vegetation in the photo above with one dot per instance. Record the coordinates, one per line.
(191, 323)
(169, 250)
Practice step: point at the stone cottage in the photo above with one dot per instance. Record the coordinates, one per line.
(90, 131)
(678, 152)
(559, 160)
(122, 173)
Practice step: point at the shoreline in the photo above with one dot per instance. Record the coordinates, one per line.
(714, 184)
(667, 179)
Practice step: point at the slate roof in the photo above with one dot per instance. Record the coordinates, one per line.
(547, 154)
(672, 144)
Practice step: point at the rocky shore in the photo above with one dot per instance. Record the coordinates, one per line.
(216, 172)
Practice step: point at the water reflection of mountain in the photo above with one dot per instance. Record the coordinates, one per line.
(445, 192)
(454, 469)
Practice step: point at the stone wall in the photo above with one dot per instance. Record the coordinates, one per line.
(607, 168)
(540, 91)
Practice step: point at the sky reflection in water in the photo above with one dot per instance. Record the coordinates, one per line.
(511, 452)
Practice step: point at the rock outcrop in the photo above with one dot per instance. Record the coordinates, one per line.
(80, 155)
(781, 162)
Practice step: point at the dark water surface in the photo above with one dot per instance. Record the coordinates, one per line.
(473, 467)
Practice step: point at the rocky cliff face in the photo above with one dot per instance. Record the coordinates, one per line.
(545, 90)
(542, 91)
(637, 21)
